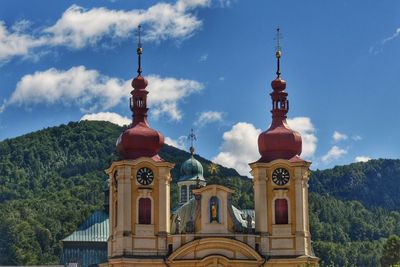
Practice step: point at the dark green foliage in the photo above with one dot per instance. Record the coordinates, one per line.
(373, 183)
(345, 233)
(391, 252)
(357, 254)
(51, 180)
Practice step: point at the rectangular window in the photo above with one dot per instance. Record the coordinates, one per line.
(183, 193)
(145, 211)
(281, 211)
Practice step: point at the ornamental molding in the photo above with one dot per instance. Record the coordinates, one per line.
(135, 162)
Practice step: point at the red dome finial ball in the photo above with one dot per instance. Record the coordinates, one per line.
(278, 84)
(139, 83)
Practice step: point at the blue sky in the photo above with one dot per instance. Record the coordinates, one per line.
(209, 64)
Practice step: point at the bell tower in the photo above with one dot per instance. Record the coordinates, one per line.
(281, 186)
(139, 188)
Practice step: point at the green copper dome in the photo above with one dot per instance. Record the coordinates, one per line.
(191, 169)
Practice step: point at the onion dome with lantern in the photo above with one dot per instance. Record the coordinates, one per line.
(192, 174)
(139, 140)
(279, 141)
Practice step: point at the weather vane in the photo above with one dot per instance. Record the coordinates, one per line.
(139, 50)
(278, 38)
(192, 138)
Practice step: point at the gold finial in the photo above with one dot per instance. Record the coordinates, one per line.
(278, 53)
(139, 50)
(139, 33)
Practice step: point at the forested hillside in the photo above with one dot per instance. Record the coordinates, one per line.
(375, 183)
(52, 179)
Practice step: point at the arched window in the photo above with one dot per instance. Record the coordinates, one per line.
(281, 211)
(145, 211)
(214, 209)
(183, 193)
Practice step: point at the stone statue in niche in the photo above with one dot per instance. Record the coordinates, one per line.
(177, 224)
(214, 209)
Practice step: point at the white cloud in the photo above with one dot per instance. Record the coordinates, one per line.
(334, 153)
(167, 92)
(362, 159)
(203, 58)
(178, 143)
(87, 88)
(107, 116)
(16, 43)
(337, 136)
(304, 126)
(3, 106)
(208, 117)
(221, 78)
(160, 21)
(239, 147)
(190, 4)
(378, 48)
(92, 91)
(356, 138)
(390, 38)
(21, 26)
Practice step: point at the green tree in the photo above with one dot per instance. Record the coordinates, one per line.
(391, 252)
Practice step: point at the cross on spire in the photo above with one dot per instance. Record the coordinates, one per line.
(192, 137)
(278, 38)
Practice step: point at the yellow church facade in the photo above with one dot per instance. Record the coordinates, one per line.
(206, 229)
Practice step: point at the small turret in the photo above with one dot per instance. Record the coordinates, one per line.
(192, 174)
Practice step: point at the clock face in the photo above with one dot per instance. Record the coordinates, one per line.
(280, 176)
(144, 176)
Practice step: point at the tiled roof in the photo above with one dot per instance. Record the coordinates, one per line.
(94, 229)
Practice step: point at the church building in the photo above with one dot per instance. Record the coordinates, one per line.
(206, 229)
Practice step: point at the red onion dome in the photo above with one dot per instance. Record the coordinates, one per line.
(139, 141)
(279, 142)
